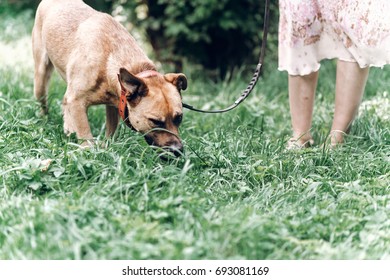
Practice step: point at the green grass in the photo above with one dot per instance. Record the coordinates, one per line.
(236, 194)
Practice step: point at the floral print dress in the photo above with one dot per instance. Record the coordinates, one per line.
(350, 30)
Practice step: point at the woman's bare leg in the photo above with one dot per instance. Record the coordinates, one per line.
(350, 83)
(301, 96)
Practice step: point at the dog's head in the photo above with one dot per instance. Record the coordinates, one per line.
(154, 107)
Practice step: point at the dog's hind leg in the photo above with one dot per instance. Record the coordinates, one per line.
(112, 120)
(43, 69)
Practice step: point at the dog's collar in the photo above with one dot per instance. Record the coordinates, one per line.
(122, 108)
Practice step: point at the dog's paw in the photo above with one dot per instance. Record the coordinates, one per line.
(68, 130)
(87, 143)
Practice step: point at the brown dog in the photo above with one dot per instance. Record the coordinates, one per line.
(102, 64)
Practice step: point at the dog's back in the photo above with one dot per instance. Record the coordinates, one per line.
(56, 29)
(70, 32)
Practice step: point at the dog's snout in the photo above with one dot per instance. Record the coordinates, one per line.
(176, 149)
(171, 145)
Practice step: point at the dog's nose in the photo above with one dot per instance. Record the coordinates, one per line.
(176, 149)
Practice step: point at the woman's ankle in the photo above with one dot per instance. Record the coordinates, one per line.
(337, 137)
(302, 137)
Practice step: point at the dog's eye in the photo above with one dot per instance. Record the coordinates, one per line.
(178, 119)
(157, 123)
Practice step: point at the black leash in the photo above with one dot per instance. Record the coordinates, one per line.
(256, 74)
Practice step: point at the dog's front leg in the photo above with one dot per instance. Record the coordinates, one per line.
(76, 119)
(112, 120)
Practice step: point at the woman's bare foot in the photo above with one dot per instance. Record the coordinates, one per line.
(301, 142)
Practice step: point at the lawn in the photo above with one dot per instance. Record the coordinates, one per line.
(237, 193)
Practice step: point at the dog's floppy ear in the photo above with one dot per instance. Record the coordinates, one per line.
(133, 86)
(179, 80)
